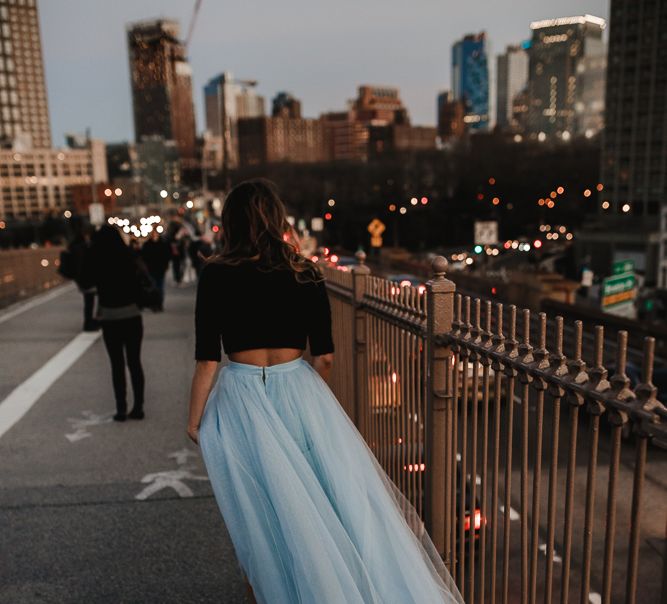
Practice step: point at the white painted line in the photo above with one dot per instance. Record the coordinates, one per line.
(21, 307)
(25, 395)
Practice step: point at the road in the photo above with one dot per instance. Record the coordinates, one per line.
(92, 510)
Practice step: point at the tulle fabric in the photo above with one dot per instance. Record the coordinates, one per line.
(312, 516)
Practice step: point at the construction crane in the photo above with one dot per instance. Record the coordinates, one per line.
(195, 12)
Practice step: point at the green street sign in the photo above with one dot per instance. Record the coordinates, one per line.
(619, 289)
(623, 266)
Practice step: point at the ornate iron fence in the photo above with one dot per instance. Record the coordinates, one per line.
(26, 272)
(485, 428)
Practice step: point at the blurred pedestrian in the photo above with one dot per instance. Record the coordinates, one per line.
(177, 259)
(199, 250)
(71, 267)
(113, 269)
(156, 255)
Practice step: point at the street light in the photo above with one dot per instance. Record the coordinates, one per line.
(163, 194)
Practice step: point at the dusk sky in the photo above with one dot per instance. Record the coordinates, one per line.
(319, 50)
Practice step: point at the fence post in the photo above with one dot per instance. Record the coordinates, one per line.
(360, 278)
(439, 317)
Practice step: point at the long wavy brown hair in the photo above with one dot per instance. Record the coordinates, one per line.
(255, 229)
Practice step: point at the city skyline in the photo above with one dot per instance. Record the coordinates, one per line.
(88, 75)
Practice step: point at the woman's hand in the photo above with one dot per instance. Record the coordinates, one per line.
(323, 364)
(202, 382)
(193, 433)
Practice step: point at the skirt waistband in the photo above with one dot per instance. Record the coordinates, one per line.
(249, 369)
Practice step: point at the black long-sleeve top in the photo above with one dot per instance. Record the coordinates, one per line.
(249, 307)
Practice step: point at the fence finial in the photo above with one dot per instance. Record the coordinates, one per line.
(439, 267)
(360, 255)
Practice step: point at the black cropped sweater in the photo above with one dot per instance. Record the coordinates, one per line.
(249, 307)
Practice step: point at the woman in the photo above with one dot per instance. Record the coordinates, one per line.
(312, 516)
(111, 267)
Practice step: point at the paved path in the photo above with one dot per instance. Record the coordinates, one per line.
(92, 510)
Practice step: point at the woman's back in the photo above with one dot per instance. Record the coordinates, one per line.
(252, 307)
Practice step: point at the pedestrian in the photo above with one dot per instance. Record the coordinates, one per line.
(113, 269)
(199, 250)
(312, 515)
(156, 254)
(177, 259)
(71, 267)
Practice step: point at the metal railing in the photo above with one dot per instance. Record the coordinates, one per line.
(26, 272)
(485, 428)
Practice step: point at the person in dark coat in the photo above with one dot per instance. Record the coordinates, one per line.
(113, 269)
(79, 247)
(199, 250)
(156, 254)
(178, 254)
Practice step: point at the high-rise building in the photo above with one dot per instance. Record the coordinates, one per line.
(265, 140)
(566, 77)
(400, 137)
(451, 113)
(470, 79)
(512, 77)
(634, 156)
(345, 137)
(227, 100)
(40, 181)
(285, 105)
(161, 85)
(24, 112)
(379, 104)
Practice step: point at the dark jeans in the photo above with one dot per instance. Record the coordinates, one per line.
(88, 307)
(158, 279)
(122, 339)
(177, 268)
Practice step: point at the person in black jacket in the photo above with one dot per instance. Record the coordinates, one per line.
(156, 254)
(112, 268)
(78, 248)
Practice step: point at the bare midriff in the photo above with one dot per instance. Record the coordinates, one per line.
(265, 357)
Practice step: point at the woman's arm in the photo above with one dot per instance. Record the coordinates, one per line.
(202, 382)
(323, 364)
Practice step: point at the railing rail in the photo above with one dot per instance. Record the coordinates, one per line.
(484, 426)
(28, 271)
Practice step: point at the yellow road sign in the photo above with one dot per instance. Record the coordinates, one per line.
(376, 227)
(376, 241)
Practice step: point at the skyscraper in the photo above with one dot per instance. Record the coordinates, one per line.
(512, 74)
(634, 151)
(226, 100)
(634, 155)
(24, 112)
(566, 77)
(470, 79)
(451, 114)
(161, 85)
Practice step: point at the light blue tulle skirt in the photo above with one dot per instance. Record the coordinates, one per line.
(312, 516)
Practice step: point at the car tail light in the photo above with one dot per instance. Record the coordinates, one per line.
(478, 521)
(416, 467)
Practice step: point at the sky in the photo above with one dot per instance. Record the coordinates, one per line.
(319, 50)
